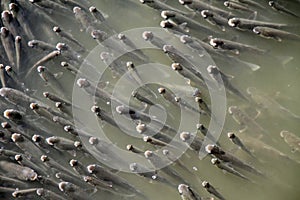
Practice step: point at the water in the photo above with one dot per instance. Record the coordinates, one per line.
(274, 76)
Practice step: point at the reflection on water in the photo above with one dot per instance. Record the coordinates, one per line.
(276, 81)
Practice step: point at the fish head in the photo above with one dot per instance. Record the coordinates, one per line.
(176, 66)
(186, 39)
(148, 154)
(166, 14)
(185, 136)
(232, 110)
(271, 3)
(83, 83)
(206, 13)
(231, 135)
(147, 35)
(234, 22)
(185, 2)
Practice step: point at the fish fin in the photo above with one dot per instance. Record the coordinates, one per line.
(58, 75)
(184, 27)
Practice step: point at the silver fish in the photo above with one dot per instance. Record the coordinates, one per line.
(185, 20)
(78, 167)
(18, 171)
(248, 24)
(10, 22)
(48, 194)
(273, 33)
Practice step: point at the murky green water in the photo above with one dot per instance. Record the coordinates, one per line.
(281, 176)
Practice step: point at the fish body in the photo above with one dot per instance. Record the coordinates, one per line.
(273, 33)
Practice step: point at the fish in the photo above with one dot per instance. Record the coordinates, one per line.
(146, 172)
(73, 191)
(68, 53)
(154, 141)
(27, 193)
(84, 20)
(48, 194)
(97, 14)
(291, 139)
(20, 14)
(171, 26)
(61, 143)
(206, 133)
(134, 149)
(273, 33)
(198, 6)
(10, 22)
(131, 46)
(43, 60)
(51, 80)
(159, 5)
(226, 167)
(245, 121)
(193, 141)
(53, 97)
(41, 45)
(278, 7)
(18, 171)
(107, 176)
(226, 157)
(159, 163)
(186, 193)
(2, 76)
(209, 188)
(70, 67)
(181, 19)
(237, 141)
(136, 94)
(237, 6)
(7, 40)
(18, 40)
(235, 47)
(67, 36)
(215, 19)
(153, 39)
(266, 102)
(223, 79)
(248, 24)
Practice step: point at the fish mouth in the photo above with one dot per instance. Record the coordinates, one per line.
(185, 2)
(256, 30)
(233, 22)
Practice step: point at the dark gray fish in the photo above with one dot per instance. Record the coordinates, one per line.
(41, 45)
(153, 39)
(85, 21)
(158, 162)
(97, 14)
(18, 52)
(62, 143)
(67, 36)
(7, 40)
(186, 21)
(198, 6)
(48, 194)
(236, 47)
(2, 76)
(192, 140)
(229, 158)
(248, 24)
(73, 191)
(70, 67)
(68, 53)
(18, 171)
(222, 78)
(96, 182)
(209, 188)
(50, 6)
(10, 22)
(159, 5)
(275, 34)
(134, 149)
(154, 141)
(186, 193)
(206, 133)
(14, 115)
(17, 97)
(51, 80)
(55, 98)
(107, 176)
(136, 94)
(171, 26)
(215, 19)
(43, 60)
(20, 14)
(236, 140)
(226, 167)
(278, 7)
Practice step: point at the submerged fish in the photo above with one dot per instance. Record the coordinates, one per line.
(273, 33)
(278, 7)
(291, 139)
(186, 193)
